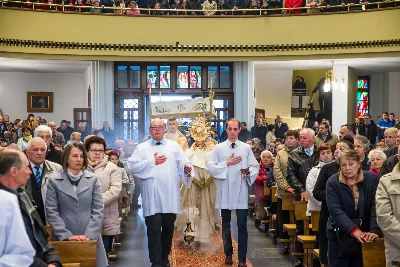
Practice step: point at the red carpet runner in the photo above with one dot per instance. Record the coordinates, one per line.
(209, 254)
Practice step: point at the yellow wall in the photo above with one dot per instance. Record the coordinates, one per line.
(311, 78)
(287, 33)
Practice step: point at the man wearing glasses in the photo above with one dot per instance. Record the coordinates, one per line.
(160, 164)
(234, 167)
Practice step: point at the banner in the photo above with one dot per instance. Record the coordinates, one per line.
(182, 108)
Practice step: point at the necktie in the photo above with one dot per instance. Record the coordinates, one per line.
(308, 152)
(158, 143)
(233, 145)
(37, 174)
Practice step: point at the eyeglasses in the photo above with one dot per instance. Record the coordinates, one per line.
(156, 127)
(99, 151)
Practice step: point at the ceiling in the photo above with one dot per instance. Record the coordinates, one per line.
(361, 65)
(42, 66)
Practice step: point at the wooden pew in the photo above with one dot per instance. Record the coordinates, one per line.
(307, 240)
(315, 226)
(48, 230)
(267, 193)
(374, 253)
(271, 216)
(82, 252)
(71, 264)
(290, 228)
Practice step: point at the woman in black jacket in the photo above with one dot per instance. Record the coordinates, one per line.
(319, 194)
(350, 197)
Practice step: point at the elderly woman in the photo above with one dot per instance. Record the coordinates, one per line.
(26, 137)
(111, 183)
(74, 202)
(325, 152)
(319, 193)
(361, 146)
(265, 174)
(388, 213)
(376, 158)
(350, 196)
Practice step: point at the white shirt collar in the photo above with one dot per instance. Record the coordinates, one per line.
(229, 143)
(33, 166)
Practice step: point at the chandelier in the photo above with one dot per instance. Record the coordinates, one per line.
(331, 83)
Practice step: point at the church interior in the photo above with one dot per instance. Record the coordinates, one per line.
(87, 68)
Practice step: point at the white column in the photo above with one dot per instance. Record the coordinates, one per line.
(243, 88)
(340, 99)
(102, 93)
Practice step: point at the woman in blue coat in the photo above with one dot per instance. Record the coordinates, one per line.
(350, 196)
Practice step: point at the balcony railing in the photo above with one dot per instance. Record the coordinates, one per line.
(203, 12)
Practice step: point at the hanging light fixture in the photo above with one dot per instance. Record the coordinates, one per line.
(330, 81)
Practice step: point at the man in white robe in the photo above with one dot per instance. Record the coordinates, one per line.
(234, 167)
(160, 164)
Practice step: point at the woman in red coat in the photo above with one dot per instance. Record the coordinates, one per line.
(294, 4)
(265, 174)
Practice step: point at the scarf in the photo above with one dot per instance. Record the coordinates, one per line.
(93, 163)
(27, 138)
(74, 178)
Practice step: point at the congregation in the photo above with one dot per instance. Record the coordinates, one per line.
(201, 7)
(331, 172)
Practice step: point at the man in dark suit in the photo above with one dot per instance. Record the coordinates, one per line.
(280, 128)
(42, 170)
(259, 131)
(14, 170)
(359, 126)
(65, 130)
(45, 133)
(108, 134)
(3, 127)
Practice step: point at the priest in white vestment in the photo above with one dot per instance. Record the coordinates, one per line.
(160, 164)
(234, 168)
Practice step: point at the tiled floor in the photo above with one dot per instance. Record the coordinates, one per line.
(134, 253)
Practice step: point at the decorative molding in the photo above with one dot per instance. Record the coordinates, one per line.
(198, 48)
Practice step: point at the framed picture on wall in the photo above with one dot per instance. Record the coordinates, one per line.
(40, 101)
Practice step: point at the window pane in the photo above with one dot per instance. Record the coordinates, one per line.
(182, 81)
(223, 115)
(134, 75)
(165, 77)
(225, 77)
(221, 127)
(195, 77)
(212, 76)
(152, 76)
(130, 103)
(122, 76)
(218, 103)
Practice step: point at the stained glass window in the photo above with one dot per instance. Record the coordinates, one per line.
(362, 104)
(152, 77)
(363, 84)
(182, 77)
(195, 77)
(165, 77)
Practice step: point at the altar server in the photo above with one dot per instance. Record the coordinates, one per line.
(160, 164)
(234, 167)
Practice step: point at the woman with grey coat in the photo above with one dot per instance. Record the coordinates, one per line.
(74, 202)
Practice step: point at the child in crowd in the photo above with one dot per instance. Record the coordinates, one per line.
(133, 4)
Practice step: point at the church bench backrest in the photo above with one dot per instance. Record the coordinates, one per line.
(374, 253)
(83, 252)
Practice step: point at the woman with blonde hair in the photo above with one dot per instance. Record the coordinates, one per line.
(350, 198)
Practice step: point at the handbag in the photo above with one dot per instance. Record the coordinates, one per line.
(348, 245)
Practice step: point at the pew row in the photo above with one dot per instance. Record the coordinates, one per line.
(76, 252)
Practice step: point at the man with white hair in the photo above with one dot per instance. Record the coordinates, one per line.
(56, 136)
(42, 170)
(301, 161)
(45, 133)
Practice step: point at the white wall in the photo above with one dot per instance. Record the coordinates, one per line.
(274, 92)
(69, 92)
(394, 93)
(377, 93)
(243, 88)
